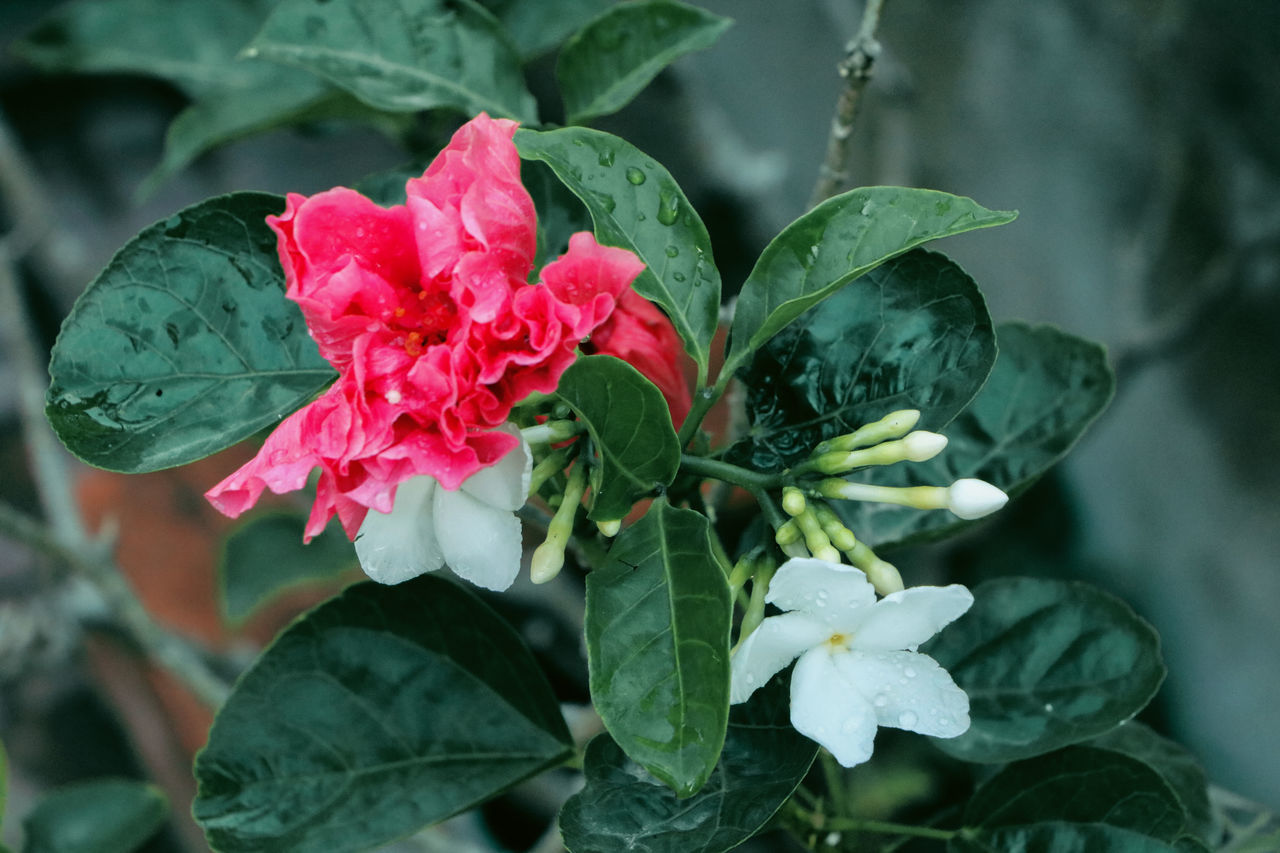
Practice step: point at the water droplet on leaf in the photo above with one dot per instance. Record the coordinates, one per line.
(635, 176)
(672, 251)
(606, 157)
(668, 207)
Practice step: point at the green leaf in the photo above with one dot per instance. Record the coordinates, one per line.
(190, 42)
(839, 240)
(612, 58)
(535, 28)
(1058, 837)
(1045, 663)
(1045, 390)
(912, 333)
(404, 56)
(266, 97)
(622, 808)
(381, 711)
(265, 556)
(103, 816)
(1080, 784)
(657, 626)
(1178, 767)
(560, 213)
(184, 344)
(630, 427)
(636, 204)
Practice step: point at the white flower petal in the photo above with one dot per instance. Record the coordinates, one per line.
(828, 709)
(830, 592)
(905, 619)
(775, 643)
(396, 546)
(907, 690)
(504, 484)
(480, 542)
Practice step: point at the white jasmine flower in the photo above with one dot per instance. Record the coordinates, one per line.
(473, 530)
(858, 668)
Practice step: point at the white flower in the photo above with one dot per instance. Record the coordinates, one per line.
(858, 666)
(472, 530)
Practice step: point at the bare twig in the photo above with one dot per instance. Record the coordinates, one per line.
(856, 69)
(63, 534)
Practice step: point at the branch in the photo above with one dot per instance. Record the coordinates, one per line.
(856, 69)
(65, 537)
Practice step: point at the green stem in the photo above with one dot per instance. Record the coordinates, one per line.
(714, 469)
(812, 818)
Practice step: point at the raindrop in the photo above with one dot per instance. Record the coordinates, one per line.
(907, 719)
(944, 721)
(678, 276)
(635, 176)
(867, 207)
(909, 672)
(359, 232)
(668, 207)
(672, 251)
(606, 157)
(1048, 707)
(849, 725)
(751, 679)
(881, 700)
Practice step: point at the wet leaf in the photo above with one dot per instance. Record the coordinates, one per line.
(103, 816)
(657, 626)
(379, 712)
(614, 57)
(184, 344)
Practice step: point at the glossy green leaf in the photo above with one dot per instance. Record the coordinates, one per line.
(379, 712)
(184, 344)
(189, 42)
(622, 808)
(264, 96)
(265, 556)
(1080, 784)
(1045, 663)
(536, 28)
(103, 816)
(630, 427)
(636, 204)
(1045, 390)
(1058, 837)
(561, 214)
(404, 56)
(611, 59)
(657, 626)
(912, 333)
(839, 240)
(1178, 767)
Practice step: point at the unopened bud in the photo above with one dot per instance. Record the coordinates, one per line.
(792, 501)
(884, 577)
(893, 425)
(551, 432)
(921, 446)
(609, 528)
(971, 498)
(548, 558)
(547, 561)
(789, 532)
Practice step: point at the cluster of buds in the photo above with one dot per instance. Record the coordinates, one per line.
(814, 529)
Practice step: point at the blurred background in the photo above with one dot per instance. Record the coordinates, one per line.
(1140, 140)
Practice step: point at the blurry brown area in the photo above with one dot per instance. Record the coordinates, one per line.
(168, 546)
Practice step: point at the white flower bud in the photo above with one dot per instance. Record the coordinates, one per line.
(970, 498)
(921, 446)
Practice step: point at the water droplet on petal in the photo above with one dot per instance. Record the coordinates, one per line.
(849, 725)
(909, 672)
(881, 700)
(750, 679)
(907, 719)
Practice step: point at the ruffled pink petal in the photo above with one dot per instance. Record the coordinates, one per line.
(587, 272)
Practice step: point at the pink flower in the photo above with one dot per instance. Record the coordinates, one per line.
(641, 335)
(426, 312)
